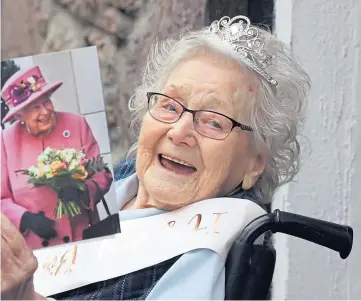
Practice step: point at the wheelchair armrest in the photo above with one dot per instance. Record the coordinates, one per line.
(249, 271)
(330, 235)
(250, 267)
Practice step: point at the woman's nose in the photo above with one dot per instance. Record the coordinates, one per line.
(182, 132)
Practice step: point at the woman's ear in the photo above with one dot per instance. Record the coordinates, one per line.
(257, 167)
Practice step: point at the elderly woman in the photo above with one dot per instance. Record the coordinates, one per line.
(219, 112)
(39, 126)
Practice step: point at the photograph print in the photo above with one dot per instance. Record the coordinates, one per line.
(56, 171)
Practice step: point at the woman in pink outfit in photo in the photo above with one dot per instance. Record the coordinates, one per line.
(37, 127)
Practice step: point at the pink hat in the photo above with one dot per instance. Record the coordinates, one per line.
(25, 87)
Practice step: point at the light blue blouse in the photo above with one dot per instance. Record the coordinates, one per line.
(196, 275)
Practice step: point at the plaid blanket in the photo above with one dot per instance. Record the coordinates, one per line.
(124, 169)
(133, 286)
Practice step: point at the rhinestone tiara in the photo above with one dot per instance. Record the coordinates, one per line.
(244, 39)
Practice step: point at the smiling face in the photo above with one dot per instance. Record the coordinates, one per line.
(39, 116)
(176, 165)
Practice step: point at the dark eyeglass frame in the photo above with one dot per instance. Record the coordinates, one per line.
(193, 112)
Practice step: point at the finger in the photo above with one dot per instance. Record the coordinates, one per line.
(9, 268)
(7, 228)
(6, 254)
(18, 262)
(16, 248)
(16, 281)
(12, 236)
(17, 268)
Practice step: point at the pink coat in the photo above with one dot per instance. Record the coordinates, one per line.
(19, 150)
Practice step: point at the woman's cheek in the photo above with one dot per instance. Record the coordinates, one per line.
(144, 160)
(217, 160)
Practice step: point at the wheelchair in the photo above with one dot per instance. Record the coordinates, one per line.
(250, 267)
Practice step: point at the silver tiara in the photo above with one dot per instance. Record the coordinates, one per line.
(244, 40)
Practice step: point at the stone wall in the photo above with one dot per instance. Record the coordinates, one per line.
(122, 30)
(22, 37)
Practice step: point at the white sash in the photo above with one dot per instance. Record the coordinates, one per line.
(211, 224)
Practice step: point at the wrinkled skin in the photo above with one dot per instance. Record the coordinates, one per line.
(18, 264)
(204, 81)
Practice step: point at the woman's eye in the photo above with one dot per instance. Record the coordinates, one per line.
(169, 107)
(215, 124)
(172, 108)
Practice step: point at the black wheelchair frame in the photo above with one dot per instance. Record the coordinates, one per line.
(250, 267)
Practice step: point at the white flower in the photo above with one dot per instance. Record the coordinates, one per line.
(31, 168)
(42, 158)
(47, 169)
(72, 151)
(81, 155)
(73, 164)
(34, 171)
(68, 157)
(48, 151)
(60, 154)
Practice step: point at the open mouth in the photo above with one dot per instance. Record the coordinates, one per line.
(43, 120)
(176, 165)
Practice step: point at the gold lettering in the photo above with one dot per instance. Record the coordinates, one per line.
(199, 220)
(53, 266)
(62, 261)
(218, 218)
(75, 253)
(49, 264)
(69, 270)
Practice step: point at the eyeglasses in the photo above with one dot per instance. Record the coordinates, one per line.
(211, 124)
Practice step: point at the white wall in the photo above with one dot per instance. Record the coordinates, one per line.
(81, 93)
(326, 36)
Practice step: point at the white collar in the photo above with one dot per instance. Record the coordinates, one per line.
(126, 189)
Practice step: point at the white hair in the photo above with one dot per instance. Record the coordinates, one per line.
(276, 116)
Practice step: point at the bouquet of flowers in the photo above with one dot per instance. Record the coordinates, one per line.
(62, 169)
